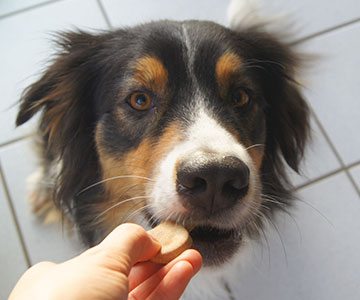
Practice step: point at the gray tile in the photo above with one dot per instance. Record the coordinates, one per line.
(12, 259)
(43, 242)
(355, 172)
(310, 17)
(26, 48)
(334, 87)
(315, 254)
(319, 159)
(131, 12)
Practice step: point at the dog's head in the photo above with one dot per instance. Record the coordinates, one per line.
(187, 121)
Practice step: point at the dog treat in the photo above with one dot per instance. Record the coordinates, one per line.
(174, 240)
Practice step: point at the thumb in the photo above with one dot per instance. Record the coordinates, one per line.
(128, 244)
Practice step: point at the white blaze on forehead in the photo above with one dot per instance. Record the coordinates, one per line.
(204, 135)
(208, 135)
(189, 47)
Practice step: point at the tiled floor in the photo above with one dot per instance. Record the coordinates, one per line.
(318, 254)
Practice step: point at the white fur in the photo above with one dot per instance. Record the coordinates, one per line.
(204, 135)
(243, 14)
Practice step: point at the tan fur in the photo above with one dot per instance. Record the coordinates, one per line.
(151, 73)
(227, 65)
(41, 200)
(140, 162)
(257, 154)
(56, 113)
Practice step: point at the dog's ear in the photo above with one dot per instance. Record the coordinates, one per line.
(63, 85)
(287, 112)
(65, 97)
(287, 122)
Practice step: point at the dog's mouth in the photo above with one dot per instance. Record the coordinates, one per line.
(216, 245)
(211, 234)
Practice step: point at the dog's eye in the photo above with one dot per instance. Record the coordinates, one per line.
(240, 97)
(140, 101)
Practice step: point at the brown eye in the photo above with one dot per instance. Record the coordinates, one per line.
(240, 97)
(140, 101)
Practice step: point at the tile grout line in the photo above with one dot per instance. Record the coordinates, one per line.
(318, 179)
(22, 10)
(13, 213)
(103, 12)
(325, 176)
(351, 178)
(325, 31)
(15, 140)
(228, 290)
(336, 153)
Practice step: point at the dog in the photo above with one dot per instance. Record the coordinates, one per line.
(185, 121)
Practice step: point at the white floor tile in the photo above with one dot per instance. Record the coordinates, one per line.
(42, 242)
(355, 172)
(12, 259)
(26, 47)
(309, 17)
(10, 6)
(335, 87)
(132, 12)
(318, 254)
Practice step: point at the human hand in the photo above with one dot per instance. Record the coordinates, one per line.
(117, 268)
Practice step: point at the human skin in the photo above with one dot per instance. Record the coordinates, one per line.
(117, 268)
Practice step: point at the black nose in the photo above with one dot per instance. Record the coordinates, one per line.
(212, 182)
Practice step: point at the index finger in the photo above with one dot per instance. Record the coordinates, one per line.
(164, 280)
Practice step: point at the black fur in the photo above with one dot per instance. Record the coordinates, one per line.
(88, 80)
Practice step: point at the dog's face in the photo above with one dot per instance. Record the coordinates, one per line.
(182, 121)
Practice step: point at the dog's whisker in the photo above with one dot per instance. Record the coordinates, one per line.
(257, 226)
(129, 166)
(170, 216)
(264, 207)
(318, 211)
(255, 145)
(135, 212)
(279, 235)
(131, 209)
(118, 204)
(255, 61)
(274, 199)
(97, 218)
(113, 178)
(249, 66)
(271, 199)
(255, 212)
(293, 219)
(267, 244)
(178, 218)
(130, 190)
(155, 219)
